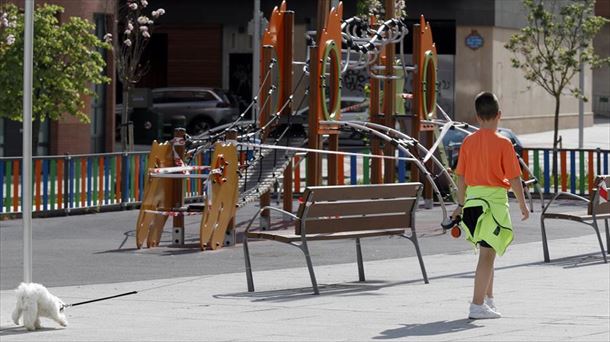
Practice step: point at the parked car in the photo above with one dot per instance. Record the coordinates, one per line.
(198, 108)
(195, 108)
(454, 138)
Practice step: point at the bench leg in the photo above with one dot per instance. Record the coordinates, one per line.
(420, 258)
(312, 275)
(599, 239)
(545, 247)
(607, 236)
(360, 263)
(248, 266)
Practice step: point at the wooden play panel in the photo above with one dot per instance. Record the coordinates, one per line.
(221, 196)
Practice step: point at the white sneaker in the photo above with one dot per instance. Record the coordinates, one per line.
(482, 312)
(490, 303)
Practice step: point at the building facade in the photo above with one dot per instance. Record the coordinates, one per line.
(209, 44)
(69, 135)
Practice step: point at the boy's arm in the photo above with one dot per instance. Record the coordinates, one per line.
(515, 183)
(461, 196)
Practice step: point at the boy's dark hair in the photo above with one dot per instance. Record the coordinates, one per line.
(486, 105)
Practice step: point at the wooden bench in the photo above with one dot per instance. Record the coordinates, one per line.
(596, 210)
(346, 212)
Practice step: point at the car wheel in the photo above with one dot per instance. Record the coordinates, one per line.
(198, 126)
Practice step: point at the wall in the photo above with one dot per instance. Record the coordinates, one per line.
(526, 106)
(473, 70)
(601, 81)
(489, 68)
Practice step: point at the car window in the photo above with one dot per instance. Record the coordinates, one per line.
(173, 97)
(203, 96)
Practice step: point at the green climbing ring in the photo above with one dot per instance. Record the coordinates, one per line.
(331, 48)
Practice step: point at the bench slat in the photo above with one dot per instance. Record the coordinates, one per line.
(278, 236)
(373, 191)
(342, 224)
(346, 208)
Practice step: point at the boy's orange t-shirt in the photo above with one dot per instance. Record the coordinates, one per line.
(487, 158)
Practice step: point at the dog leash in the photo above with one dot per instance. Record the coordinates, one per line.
(96, 300)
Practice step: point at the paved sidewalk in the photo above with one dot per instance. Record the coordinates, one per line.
(596, 136)
(567, 299)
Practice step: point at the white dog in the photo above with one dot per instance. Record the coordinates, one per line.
(35, 301)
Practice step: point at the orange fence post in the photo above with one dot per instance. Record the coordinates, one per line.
(564, 170)
(117, 193)
(37, 175)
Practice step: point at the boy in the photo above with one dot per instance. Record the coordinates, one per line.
(487, 168)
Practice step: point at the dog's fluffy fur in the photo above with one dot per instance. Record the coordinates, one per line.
(35, 301)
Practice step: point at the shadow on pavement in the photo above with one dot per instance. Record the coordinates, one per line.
(349, 288)
(20, 330)
(427, 329)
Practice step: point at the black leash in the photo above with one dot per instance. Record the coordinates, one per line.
(97, 300)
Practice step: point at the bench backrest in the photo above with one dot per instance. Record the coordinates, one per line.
(601, 206)
(341, 208)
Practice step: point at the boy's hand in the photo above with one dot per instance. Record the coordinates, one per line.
(457, 212)
(525, 211)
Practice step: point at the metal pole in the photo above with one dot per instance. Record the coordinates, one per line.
(26, 205)
(581, 104)
(256, 51)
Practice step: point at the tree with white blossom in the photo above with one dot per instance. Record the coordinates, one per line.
(135, 26)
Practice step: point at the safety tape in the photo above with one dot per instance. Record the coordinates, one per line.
(174, 169)
(173, 213)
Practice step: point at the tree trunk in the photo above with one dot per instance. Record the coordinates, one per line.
(125, 117)
(555, 143)
(35, 133)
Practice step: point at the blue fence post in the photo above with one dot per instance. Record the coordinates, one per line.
(547, 173)
(401, 167)
(605, 163)
(353, 170)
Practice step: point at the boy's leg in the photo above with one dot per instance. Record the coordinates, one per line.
(490, 288)
(484, 274)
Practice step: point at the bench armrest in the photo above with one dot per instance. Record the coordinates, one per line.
(561, 193)
(293, 216)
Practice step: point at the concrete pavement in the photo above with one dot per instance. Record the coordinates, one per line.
(567, 299)
(595, 136)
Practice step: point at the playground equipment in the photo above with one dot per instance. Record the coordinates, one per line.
(249, 157)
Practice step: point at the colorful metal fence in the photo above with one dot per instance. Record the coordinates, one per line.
(64, 183)
(576, 168)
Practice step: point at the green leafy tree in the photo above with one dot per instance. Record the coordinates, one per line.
(66, 65)
(549, 50)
